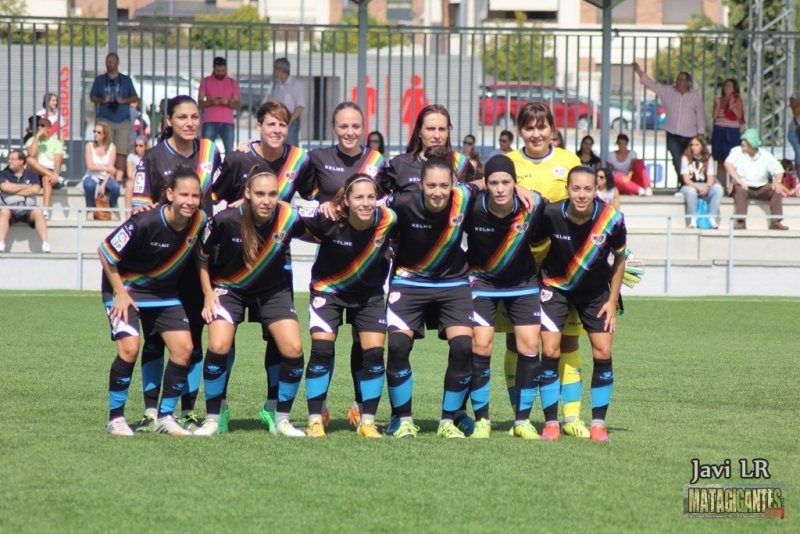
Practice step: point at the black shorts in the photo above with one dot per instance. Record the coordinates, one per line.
(19, 216)
(272, 306)
(413, 308)
(523, 310)
(556, 303)
(325, 313)
(154, 321)
(191, 294)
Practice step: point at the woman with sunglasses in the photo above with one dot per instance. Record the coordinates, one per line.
(101, 174)
(375, 142)
(605, 187)
(131, 163)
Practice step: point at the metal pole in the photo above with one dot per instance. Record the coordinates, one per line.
(729, 280)
(112, 26)
(362, 54)
(79, 269)
(605, 89)
(668, 266)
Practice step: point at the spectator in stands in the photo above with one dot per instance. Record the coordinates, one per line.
(790, 188)
(792, 136)
(697, 173)
(477, 163)
(288, 90)
(605, 187)
(101, 173)
(49, 111)
(587, 156)
(132, 162)
(556, 139)
(686, 116)
(468, 145)
(30, 129)
(19, 187)
(630, 174)
(728, 115)
(750, 168)
(139, 123)
(506, 138)
(218, 97)
(375, 142)
(45, 156)
(114, 93)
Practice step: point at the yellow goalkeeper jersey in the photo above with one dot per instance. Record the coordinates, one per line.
(546, 175)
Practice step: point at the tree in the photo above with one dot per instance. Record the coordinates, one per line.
(518, 55)
(14, 8)
(250, 32)
(346, 40)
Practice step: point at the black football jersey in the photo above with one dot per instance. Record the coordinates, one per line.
(404, 171)
(332, 168)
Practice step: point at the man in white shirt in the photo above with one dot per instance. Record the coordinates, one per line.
(288, 90)
(750, 168)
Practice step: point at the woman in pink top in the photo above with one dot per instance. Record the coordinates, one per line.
(728, 117)
(630, 174)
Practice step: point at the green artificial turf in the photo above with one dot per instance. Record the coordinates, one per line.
(712, 379)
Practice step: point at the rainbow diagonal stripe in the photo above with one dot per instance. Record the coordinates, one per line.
(511, 244)
(295, 160)
(373, 159)
(372, 252)
(270, 248)
(175, 262)
(588, 253)
(459, 163)
(446, 240)
(206, 154)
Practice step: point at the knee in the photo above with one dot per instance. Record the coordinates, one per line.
(322, 349)
(181, 353)
(128, 350)
(528, 346)
(482, 346)
(294, 349)
(460, 348)
(569, 343)
(220, 346)
(399, 349)
(5, 215)
(602, 352)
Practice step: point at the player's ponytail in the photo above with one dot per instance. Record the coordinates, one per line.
(339, 200)
(181, 172)
(173, 103)
(251, 240)
(436, 162)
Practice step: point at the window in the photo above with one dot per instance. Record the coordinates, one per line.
(626, 11)
(399, 12)
(679, 11)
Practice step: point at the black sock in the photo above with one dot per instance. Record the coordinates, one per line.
(458, 376)
(479, 386)
(272, 365)
(399, 378)
(602, 385)
(549, 386)
(356, 366)
(215, 373)
(195, 373)
(291, 373)
(175, 377)
(526, 383)
(318, 374)
(373, 375)
(152, 370)
(119, 380)
(231, 358)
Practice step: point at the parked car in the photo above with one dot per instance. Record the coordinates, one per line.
(500, 102)
(652, 115)
(620, 116)
(153, 88)
(254, 91)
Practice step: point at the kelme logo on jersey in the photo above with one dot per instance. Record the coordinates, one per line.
(546, 295)
(207, 166)
(598, 239)
(521, 228)
(138, 183)
(278, 237)
(560, 172)
(290, 176)
(457, 220)
(318, 301)
(379, 241)
(394, 296)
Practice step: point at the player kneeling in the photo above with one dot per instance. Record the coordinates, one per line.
(502, 269)
(583, 231)
(242, 261)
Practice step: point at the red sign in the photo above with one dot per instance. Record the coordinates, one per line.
(64, 91)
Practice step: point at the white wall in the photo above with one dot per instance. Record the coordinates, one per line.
(288, 11)
(47, 8)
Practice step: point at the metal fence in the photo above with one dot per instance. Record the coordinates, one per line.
(482, 75)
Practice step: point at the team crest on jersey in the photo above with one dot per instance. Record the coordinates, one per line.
(290, 176)
(598, 239)
(138, 183)
(306, 211)
(560, 172)
(318, 301)
(207, 166)
(394, 296)
(546, 295)
(278, 237)
(191, 241)
(379, 241)
(457, 220)
(219, 291)
(372, 170)
(521, 228)
(120, 240)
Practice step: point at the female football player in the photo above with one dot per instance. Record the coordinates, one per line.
(178, 145)
(348, 274)
(243, 255)
(501, 268)
(142, 264)
(583, 231)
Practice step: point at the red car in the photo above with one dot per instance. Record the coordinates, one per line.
(500, 103)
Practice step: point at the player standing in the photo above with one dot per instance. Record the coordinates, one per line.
(178, 145)
(142, 263)
(583, 231)
(501, 268)
(348, 274)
